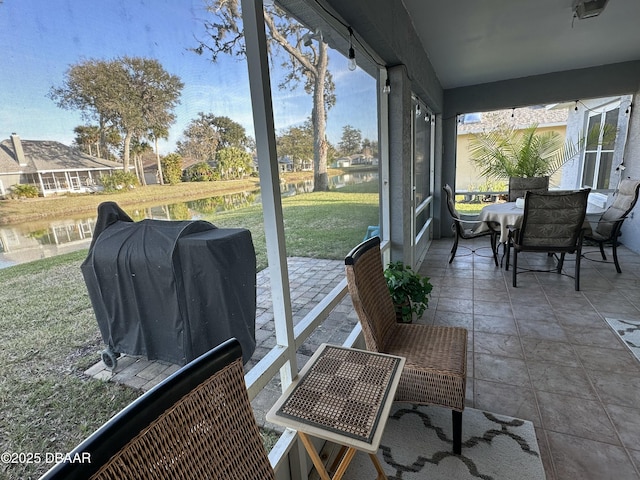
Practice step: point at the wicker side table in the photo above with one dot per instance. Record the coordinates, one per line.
(342, 395)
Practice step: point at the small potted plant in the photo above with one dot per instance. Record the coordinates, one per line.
(409, 291)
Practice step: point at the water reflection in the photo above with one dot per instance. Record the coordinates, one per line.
(28, 242)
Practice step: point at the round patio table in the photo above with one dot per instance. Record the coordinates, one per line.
(503, 213)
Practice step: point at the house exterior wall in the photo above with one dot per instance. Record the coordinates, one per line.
(468, 175)
(576, 125)
(631, 226)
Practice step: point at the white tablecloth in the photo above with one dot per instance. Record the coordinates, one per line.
(502, 213)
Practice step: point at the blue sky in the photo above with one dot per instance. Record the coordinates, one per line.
(40, 39)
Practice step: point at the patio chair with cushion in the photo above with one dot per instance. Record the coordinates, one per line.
(610, 223)
(469, 229)
(435, 372)
(198, 423)
(518, 186)
(553, 223)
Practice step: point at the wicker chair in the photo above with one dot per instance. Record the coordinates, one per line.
(435, 372)
(553, 223)
(469, 229)
(518, 186)
(198, 423)
(610, 223)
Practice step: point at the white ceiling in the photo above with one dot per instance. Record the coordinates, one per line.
(478, 41)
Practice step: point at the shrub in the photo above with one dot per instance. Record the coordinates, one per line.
(24, 191)
(172, 168)
(119, 180)
(200, 172)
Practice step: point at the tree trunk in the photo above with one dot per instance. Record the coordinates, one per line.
(143, 181)
(102, 139)
(160, 175)
(319, 118)
(127, 145)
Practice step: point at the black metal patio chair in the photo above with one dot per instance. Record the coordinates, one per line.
(552, 223)
(610, 223)
(469, 229)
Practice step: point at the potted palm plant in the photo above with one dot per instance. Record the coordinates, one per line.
(409, 291)
(508, 152)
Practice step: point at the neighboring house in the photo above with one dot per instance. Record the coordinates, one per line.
(51, 166)
(285, 164)
(546, 117)
(343, 162)
(355, 160)
(150, 166)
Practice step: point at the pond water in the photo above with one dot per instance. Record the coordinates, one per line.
(28, 242)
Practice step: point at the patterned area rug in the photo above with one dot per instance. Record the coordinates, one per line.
(417, 445)
(629, 332)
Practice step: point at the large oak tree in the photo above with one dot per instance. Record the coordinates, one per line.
(134, 94)
(306, 62)
(207, 134)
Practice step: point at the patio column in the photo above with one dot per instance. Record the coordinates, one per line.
(260, 85)
(400, 151)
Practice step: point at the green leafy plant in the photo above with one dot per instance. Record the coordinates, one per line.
(24, 191)
(201, 172)
(509, 152)
(119, 180)
(172, 168)
(409, 290)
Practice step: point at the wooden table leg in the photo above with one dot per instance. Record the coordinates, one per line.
(344, 462)
(315, 458)
(338, 459)
(376, 463)
(342, 468)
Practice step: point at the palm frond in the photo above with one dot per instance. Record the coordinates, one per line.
(508, 152)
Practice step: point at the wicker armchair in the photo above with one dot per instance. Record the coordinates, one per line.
(435, 372)
(198, 423)
(518, 186)
(553, 223)
(610, 223)
(469, 229)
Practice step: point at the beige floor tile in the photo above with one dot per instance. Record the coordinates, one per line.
(512, 371)
(542, 350)
(627, 422)
(498, 344)
(553, 378)
(584, 459)
(576, 416)
(511, 400)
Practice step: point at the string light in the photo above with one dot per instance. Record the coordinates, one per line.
(387, 86)
(352, 54)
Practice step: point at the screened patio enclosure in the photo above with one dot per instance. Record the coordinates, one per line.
(419, 100)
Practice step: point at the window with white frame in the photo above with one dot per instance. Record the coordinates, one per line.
(600, 141)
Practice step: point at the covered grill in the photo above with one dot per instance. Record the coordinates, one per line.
(170, 290)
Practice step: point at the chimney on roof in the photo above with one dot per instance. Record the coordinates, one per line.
(17, 148)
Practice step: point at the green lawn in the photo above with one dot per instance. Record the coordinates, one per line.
(470, 208)
(49, 334)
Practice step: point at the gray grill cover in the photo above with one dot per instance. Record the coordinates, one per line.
(170, 290)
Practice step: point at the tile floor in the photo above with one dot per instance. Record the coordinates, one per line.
(543, 352)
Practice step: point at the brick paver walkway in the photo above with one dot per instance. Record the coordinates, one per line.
(310, 280)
